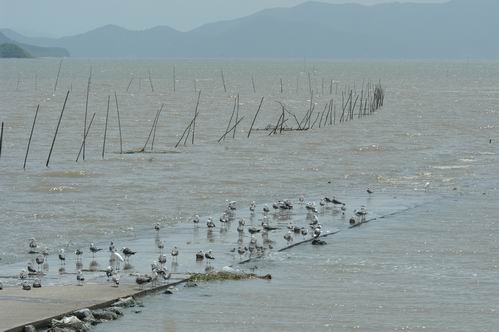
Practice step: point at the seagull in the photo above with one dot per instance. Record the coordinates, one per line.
(427, 186)
(111, 247)
(23, 274)
(369, 191)
(288, 236)
(115, 279)
(317, 232)
(322, 202)
(141, 280)
(33, 246)
(304, 232)
(240, 227)
(310, 206)
(37, 283)
(266, 209)
(109, 272)
(1, 285)
(80, 278)
(45, 252)
(302, 198)
(196, 220)
(232, 205)
(199, 255)
(128, 252)
(315, 220)
(30, 267)
(162, 259)
(78, 254)
(94, 249)
(62, 257)
(39, 260)
(333, 200)
(241, 251)
(26, 286)
(157, 227)
(209, 256)
(253, 230)
(161, 246)
(116, 257)
(174, 253)
(252, 206)
(210, 224)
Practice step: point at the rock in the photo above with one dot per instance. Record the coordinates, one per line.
(168, 292)
(125, 302)
(29, 328)
(190, 284)
(86, 316)
(318, 242)
(71, 323)
(116, 310)
(104, 315)
(60, 329)
(137, 311)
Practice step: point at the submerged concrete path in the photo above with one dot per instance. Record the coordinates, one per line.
(38, 306)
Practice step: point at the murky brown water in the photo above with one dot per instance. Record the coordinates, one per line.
(431, 268)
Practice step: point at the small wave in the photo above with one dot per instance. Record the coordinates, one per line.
(60, 189)
(66, 174)
(451, 167)
(371, 148)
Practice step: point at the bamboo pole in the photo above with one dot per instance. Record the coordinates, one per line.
(105, 128)
(155, 127)
(195, 116)
(223, 80)
(234, 126)
(119, 121)
(150, 81)
(86, 110)
(86, 133)
(56, 130)
(253, 83)
(152, 127)
(1, 139)
(237, 117)
(57, 77)
(30, 136)
(254, 119)
(129, 84)
(231, 116)
(174, 80)
(281, 87)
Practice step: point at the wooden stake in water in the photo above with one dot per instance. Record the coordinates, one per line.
(253, 83)
(230, 120)
(86, 111)
(152, 127)
(129, 83)
(57, 78)
(223, 81)
(1, 139)
(195, 116)
(86, 133)
(150, 81)
(57, 130)
(105, 127)
(237, 117)
(254, 119)
(30, 136)
(119, 121)
(174, 80)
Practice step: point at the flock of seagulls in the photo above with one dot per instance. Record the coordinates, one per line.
(253, 248)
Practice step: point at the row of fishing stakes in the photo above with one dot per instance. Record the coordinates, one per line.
(353, 105)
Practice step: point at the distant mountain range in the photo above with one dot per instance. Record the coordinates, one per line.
(36, 51)
(456, 29)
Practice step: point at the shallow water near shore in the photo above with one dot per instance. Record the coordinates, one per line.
(432, 267)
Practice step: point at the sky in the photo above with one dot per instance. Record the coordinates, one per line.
(56, 18)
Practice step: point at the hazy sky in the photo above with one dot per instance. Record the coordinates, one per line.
(64, 17)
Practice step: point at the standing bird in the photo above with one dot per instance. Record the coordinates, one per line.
(210, 224)
(161, 246)
(78, 254)
(1, 285)
(302, 198)
(80, 278)
(141, 280)
(266, 209)
(94, 249)
(241, 251)
(304, 232)
(33, 246)
(40, 260)
(174, 253)
(111, 247)
(23, 274)
(209, 256)
(196, 220)
(199, 255)
(128, 253)
(157, 227)
(62, 257)
(116, 279)
(117, 258)
(37, 283)
(109, 272)
(427, 186)
(317, 233)
(162, 259)
(252, 206)
(288, 236)
(369, 191)
(31, 269)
